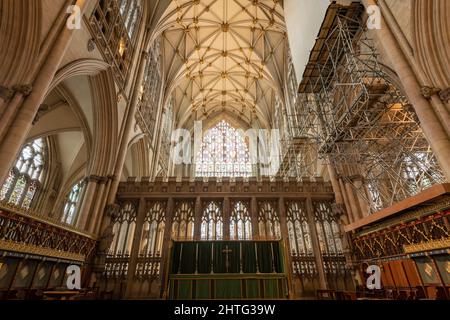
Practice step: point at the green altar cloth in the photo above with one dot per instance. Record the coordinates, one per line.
(227, 270)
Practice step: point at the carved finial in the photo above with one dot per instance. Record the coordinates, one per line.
(338, 209)
(112, 210)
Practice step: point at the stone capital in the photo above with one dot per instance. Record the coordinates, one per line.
(112, 210)
(96, 179)
(428, 92)
(23, 89)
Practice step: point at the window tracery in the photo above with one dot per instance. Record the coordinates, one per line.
(183, 220)
(224, 153)
(327, 229)
(153, 230)
(123, 230)
(25, 178)
(212, 221)
(268, 219)
(240, 221)
(71, 208)
(150, 92)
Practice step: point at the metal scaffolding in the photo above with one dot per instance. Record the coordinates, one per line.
(299, 144)
(299, 158)
(360, 121)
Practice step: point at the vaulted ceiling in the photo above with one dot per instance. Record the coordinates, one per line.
(223, 57)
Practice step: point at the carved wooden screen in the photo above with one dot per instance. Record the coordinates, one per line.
(300, 238)
(123, 229)
(149, 261)
(183, 220)
(240, 221)
(329, 236)
(153, 229)
(268, 219)
(212, 221)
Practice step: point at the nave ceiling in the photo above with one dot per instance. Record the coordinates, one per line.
(223, 58)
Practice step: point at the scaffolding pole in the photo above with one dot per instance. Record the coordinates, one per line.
(360, 121)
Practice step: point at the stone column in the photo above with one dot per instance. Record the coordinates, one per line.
(134, 254)
(335, 183)
(363, 203)
(286, 242)
(157, 133)
(128, 128)
(353, 202)
(101, 216)
(22, 124)
(89, 196)
(429, 122)
(198, 218)
(316, 245)
(226, 218)
(346, 201)
(11, 105)
(165, 254)
(96, 211)
(254, 216)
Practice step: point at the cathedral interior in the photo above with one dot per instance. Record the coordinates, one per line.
(224, 149)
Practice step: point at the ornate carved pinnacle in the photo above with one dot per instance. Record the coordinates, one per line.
(338, 209)
(112, 210)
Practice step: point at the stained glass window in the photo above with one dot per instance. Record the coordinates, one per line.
(72, 203)
(24, 179)
(268, 220)
(115, 24)
(212, 221)
(153, 230)
(130, 10)
(240, 221)
(183, 220)
(123, 230)
(224, 153)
